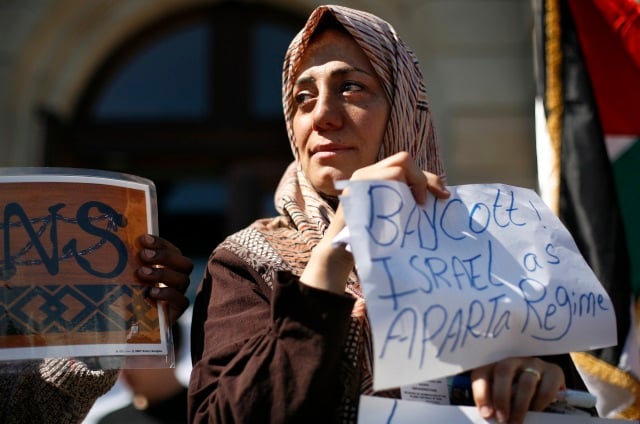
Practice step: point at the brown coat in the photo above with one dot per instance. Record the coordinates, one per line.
(270, 355)
(267, 349)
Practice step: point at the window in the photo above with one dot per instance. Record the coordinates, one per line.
(167, 80)
(192, 102)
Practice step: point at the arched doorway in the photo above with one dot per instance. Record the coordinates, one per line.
(192, 102)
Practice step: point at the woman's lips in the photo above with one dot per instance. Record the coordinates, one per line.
(328, 149)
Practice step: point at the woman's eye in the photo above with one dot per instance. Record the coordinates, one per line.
(351, 86)
(302, 97)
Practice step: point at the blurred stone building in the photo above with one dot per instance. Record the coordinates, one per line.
(187, 93)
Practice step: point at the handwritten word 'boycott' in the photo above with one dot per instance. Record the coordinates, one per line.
(386, 218)
(449, 247)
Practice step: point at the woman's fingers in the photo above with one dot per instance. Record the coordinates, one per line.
(170, 278)
(158, 251)
(509, 388)
(492, 388)
(176, 302)
(551, 382)
(481, 389)
(436, 186)
(400, 167)
(163, 263)
(165, 268)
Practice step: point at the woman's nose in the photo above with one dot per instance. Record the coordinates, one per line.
(327, 113)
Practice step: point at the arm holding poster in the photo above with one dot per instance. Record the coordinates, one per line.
(63, 388)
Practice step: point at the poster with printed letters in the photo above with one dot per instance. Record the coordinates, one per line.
(68, 256)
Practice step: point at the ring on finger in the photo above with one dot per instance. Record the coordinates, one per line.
(533, 372)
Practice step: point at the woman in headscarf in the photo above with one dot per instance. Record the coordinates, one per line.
(280, 332)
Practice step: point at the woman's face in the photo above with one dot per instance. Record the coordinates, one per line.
(340, 113)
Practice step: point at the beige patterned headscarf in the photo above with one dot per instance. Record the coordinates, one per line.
(410, 126)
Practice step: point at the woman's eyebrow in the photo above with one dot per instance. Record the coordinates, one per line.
(348, 70)
(305, 79)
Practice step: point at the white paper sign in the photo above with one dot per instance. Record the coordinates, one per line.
(462, 282)
(376, 410)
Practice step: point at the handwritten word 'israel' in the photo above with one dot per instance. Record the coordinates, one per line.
(15, 219)
(451, 246)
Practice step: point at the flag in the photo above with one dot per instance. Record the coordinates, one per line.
(587, 136)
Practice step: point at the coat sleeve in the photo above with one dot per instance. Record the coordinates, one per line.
(261, 354)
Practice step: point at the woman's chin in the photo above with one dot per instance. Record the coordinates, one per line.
(326, 185)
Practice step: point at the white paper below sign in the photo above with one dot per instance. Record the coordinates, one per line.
(462, 282)
(432, 391)
(376, 410)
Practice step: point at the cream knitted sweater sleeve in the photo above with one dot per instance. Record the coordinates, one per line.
(55, 390)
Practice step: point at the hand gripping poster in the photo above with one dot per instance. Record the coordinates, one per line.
(68, 255)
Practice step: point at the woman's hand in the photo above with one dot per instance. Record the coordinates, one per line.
(507, 389)
(400, 167)
(164, 263)
(329, 266)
